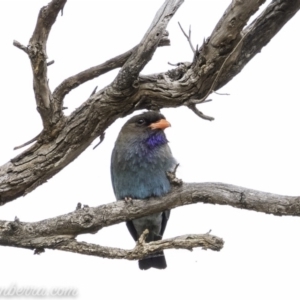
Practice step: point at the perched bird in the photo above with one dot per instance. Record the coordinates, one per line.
(139, 162)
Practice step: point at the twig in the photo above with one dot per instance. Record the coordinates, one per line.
(38, 56)
(142, 238)
(27, 143)
(207, 100)
(188, 37)
(130, 71)
(102, 136)
(192, 101)
(20, 46)
(51, 62)
(94, 91)
(221, 94)
(199, 113)
(68, 84)
(173, 65)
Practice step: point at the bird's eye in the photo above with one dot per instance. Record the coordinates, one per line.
(141, 122)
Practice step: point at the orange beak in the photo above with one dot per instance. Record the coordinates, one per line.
(161, 124)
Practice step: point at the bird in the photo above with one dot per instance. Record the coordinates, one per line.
(140, 161)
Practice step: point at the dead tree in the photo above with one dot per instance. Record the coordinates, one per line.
(231, 45)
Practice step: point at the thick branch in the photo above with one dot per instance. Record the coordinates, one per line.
(90, 220)
(59, 232)
(38, 56)
(259, 34)
(74, 81)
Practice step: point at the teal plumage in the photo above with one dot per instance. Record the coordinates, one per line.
(139, 162)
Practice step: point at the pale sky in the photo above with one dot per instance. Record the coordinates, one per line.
(253, 142)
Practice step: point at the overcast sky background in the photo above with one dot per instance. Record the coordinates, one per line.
(253, 142)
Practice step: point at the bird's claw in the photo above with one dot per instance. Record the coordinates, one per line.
(174, 181)
(79, 206)
(128, 200)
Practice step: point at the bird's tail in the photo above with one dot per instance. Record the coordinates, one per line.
(156, 260)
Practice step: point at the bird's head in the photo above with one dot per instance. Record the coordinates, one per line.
(147, 127)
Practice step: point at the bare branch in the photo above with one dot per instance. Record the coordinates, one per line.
(67, 243)
(20, 46)
(188, 37)
(59, 232)
(38, 57)
(27, 143)
(206, 241)
(194, 109)
(51, 62)
(102, 136)
(173, 65)
(141, 250)
(90, 220)
(129, 73)
(218, 73)
(221, 94)
(94, 91)
(74, 81)
(262, 30)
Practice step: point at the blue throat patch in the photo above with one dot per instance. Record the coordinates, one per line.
(156, 139)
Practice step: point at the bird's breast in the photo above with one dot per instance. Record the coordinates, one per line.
(140, 173)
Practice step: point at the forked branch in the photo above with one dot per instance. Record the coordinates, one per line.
(189, 242)
(60, 232)
(128, 75)
(37, 53)
(224, 54)
(188, 37)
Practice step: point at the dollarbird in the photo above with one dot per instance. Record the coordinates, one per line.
(139, 162)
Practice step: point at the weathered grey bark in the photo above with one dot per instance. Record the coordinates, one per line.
(223, 55)
(60, 232)
(185, 86)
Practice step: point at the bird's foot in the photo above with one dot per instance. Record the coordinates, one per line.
(80, 206)
(174, 181)
(128, 200)
(38, 251)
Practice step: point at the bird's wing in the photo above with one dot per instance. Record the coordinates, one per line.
(113, 156)
(165, 218)
(132, 230)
